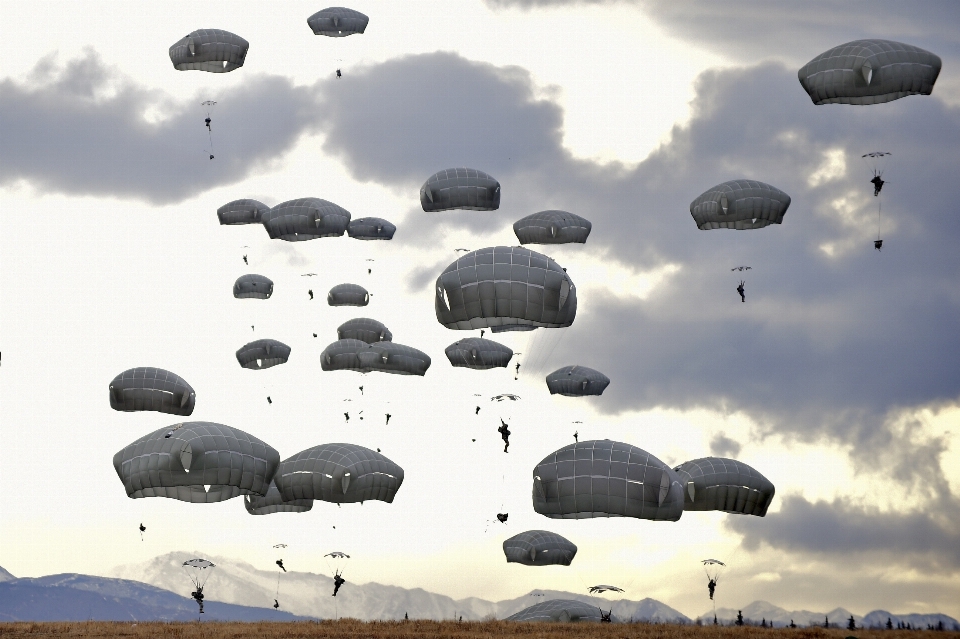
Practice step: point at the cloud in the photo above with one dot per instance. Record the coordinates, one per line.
(723, 446)
(83, 128)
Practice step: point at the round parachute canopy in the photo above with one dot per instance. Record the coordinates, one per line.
(198, 462)
(460, 188)
(478, 354)
(552, 227)
(211, 50)
(505, 286)
(339, 473)
(364, 329)
(146, 388)
(577, 381)
(337, 22)
(539, 548)
(869, 72)
(253, 286)
(348, 295)
(559, 611)
(198, 571)
(382, 357)
(304, 219)
(717, 483)
(371, 228)
(336, 554)
(263, 353)
(504, 396)
(604, 588)
(739, 204)
(273, 503)
(603, 478)
(242, 212)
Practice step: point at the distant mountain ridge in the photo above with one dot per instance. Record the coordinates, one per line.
(759, 611)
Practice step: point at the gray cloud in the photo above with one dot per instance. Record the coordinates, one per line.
(79, 128)
(723, 446)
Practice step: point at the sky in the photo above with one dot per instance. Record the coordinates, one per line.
(837, 379)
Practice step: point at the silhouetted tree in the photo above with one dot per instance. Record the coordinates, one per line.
(940, 625)
(739, 621)
(792, 625)
(851, 623)
(826, 621)
(763, 622)
(889, 624)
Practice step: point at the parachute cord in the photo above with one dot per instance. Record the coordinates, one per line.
(278, 585)
(546, 360)
(879, 210)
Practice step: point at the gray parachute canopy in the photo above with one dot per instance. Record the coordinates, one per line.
(263, 353)
(603, 478)
(199, 462)
(371, 228)
(364, 329)
(478, 354)
(717, 483)
(552, 227)
(244, 211)
(561, 611)
(337, 22)
(253, 286)
(212, 50)
(505, 286)
(460, 189)
(147, 388)
(348, 295)
(539, 548)
(739, 204)
(577, 381)
(869, 72)
(339, 473)
(305, 219)
(273, 503)
(382, 357)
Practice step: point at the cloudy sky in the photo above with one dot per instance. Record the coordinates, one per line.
(838, 379)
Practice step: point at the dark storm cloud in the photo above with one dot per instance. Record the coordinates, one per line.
(80, 129)
(723, 446)
(930, 538)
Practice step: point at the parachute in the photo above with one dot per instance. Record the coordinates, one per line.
(603, 478)
(211, 50)
(504, 396)
(198, 571)
(460, 188)
(364, 329)
(384, 357)
(147, 388)
(717, 483)
(505, 287)
(339, 473)
(603, 588)
(869, 72)
(244, 211)
(253, 286)
(739, 204)
(208, 108)
(263, 353)
(197, 462)
(371, 228)
(877, 161)
(552, 227)
(337, 22)
(559, 611)
(539, 548)
(577, 381)
(304, 219)
(273, 502)
(348, 295)
(478, 354)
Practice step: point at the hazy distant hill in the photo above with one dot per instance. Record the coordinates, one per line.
(72, 597)
(764, 610)
(5, 576)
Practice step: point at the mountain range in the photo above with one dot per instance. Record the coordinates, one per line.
(760, 611)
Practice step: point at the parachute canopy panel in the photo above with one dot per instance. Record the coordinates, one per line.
(577, 381)
(371, 228)
(539, 548)
(505, 286)
(348, 295)
(198, 462)
(869, 72)
(478, 354)
(148, 388)
(383, 357)
(304, 219)
(253, 286)
(244, 211)
(559, 611)
(273, 503)
(364, 329)
(717, 483)
(337, 22)
(603, 478)
(552, 227)
(460, 188)
(211, 50)
(739, 204)
(339, 473)
(263, 353)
